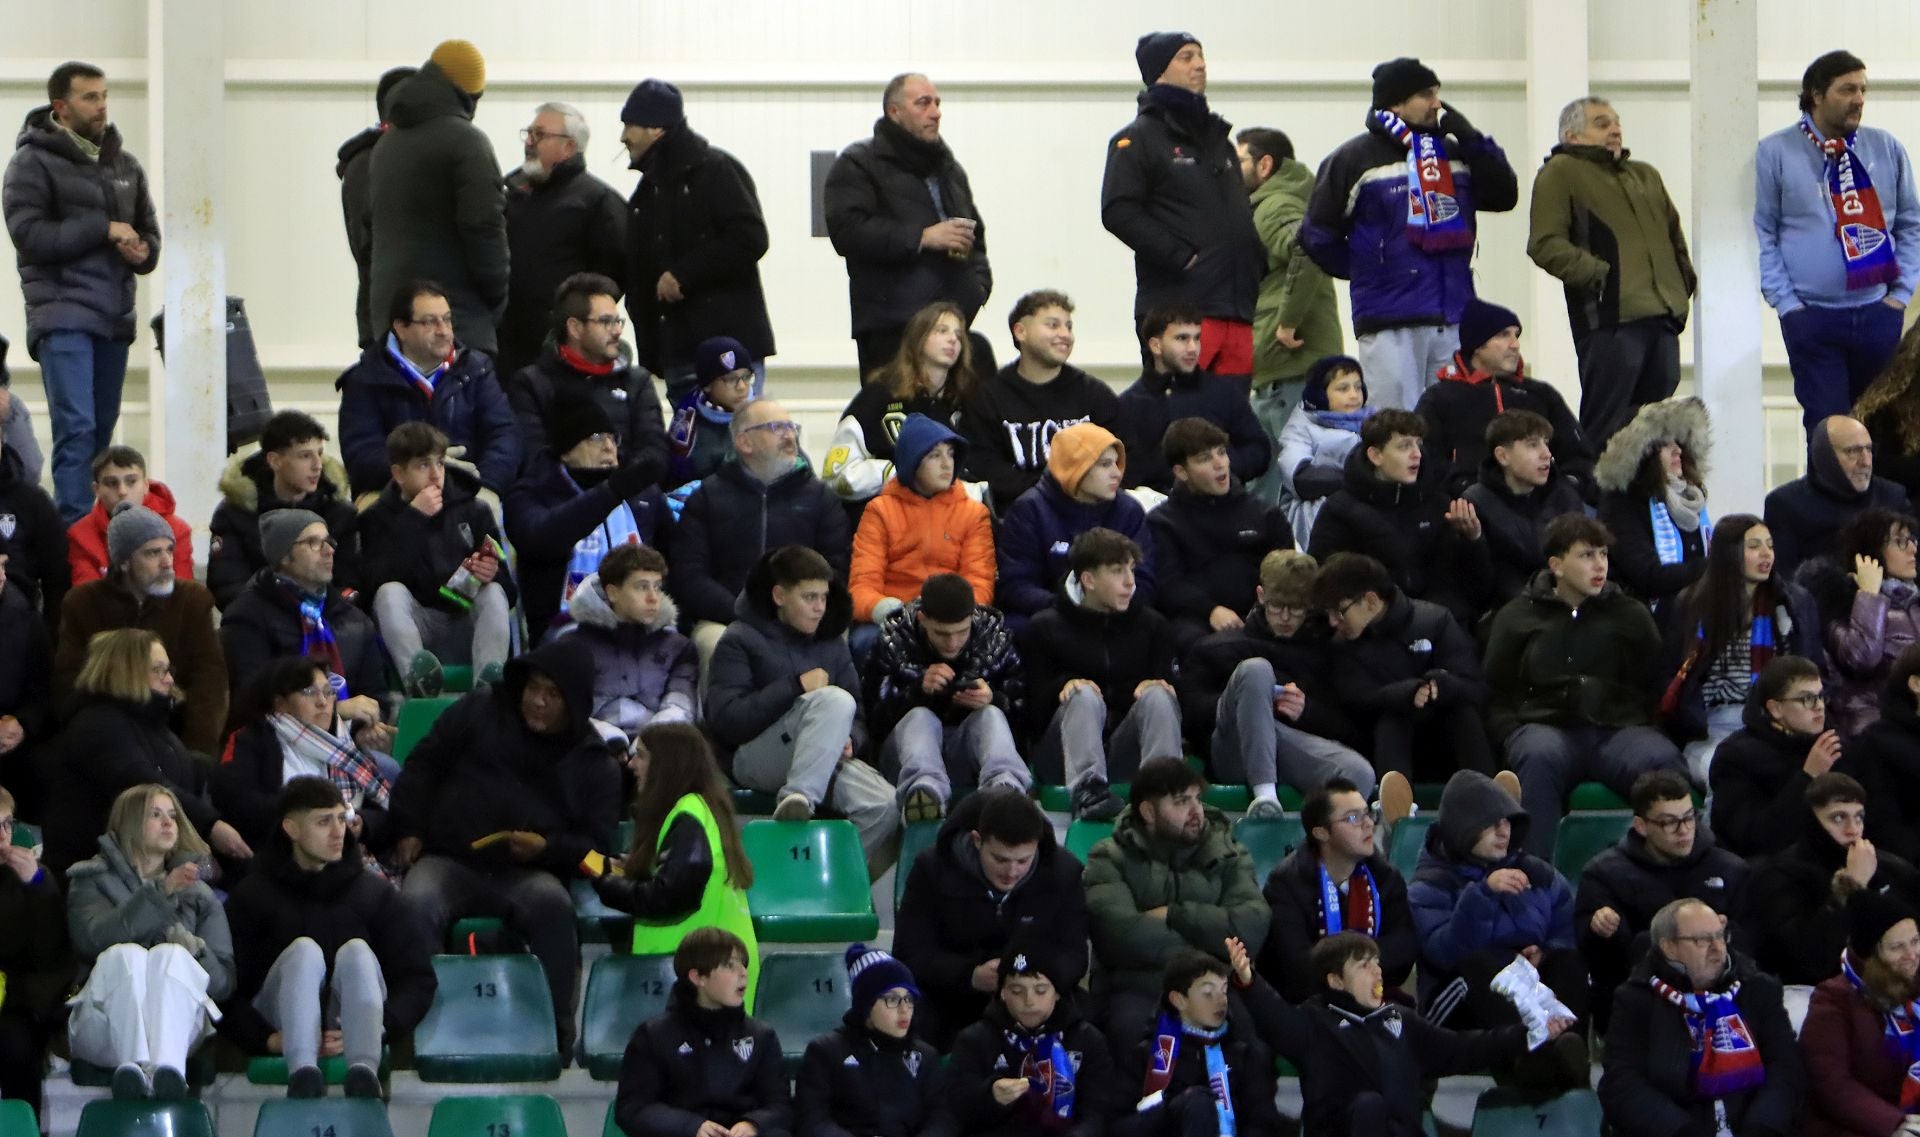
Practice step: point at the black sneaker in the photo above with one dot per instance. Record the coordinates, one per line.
(363, 1081)
(306, 1082)
(170, 1084)
(1093, 801)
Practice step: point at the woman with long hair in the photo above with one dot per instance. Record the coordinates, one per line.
(293, 728)
(1653, 498)
(931, 374)
(1859, 1041)
(1870, 609)
(1727, 625)
(117, 736)
(1890, 409)
(153, 944)
(686, 868)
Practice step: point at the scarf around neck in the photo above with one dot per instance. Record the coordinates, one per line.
(316, 635)
(1435, 221)
(584, 365)
(1049, 1073)
(350, 770)
(1350, 421)
(1902, 1030)
(1167, 1037)
(1866, 245)
(1724, 1058)
(424, 381)
(1681, 509)
(1361, 910)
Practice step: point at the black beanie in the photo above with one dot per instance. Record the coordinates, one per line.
(572, 421)
(1481, 322)
(1870, 915)
(653, 103)
(1398, 80)
(1314, 395)
(1157, 49)
(1029, 953)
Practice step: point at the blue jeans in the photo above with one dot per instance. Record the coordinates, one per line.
(1835, 353)
(83, 375)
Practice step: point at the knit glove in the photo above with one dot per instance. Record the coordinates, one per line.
(1534, 1000)
(1454, 125)
(634, 477)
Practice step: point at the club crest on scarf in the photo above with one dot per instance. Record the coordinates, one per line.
(1724, 1057)
(1435, 220)
(1858, 222)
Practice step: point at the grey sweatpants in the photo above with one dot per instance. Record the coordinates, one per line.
(933, 755)
(1250, 745)
(356, 1000)
(1400, 363)
(479, 636)
(801, 754)
(1077, 737)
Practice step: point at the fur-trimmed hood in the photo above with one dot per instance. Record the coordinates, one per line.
(1681, 420)
(245, 476)
(589, 606)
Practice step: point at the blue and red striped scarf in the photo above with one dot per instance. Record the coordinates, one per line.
(1725, 1059)
(1858, 220)
(1435, 221)
(1903, 1031)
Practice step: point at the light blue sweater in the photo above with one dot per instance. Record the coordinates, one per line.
(1800, 258)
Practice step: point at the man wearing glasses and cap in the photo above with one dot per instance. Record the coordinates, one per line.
(767, 498)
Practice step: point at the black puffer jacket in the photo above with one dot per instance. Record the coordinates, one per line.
(264, 624)
(879, 198)
(627, 395)
(1411, 642)
(438, 208)
(400, 544)
(992, 1049)
(757, 665)
(857, 1082)
(696, 215)
(734, 517)
(1155, 401)
(1885, 759)
(1513, 526)
(280, 902)
(1117, 650)
(1173, 193)
(1759, 784)
(951, 920)
(1293, 892)
(1458, 408)
(353, 165)
(1796, 912)
(234, 553)
(109, 745)
(36, 538)
(550, 509)
(1210, 547)
(1304, 659)
(1405, 528)
(571, 222)
(689, 1065)
(481, 770)
(58, 204)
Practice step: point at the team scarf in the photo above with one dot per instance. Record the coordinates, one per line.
(1361, 912)
(1435, 221)
(1668, 542)
(618, 529)
(1725, 1059)
(425, 381)
(1166, 1051)
(347, 766)
(1903, 1031)
(316, 636)
(584, 365)
(1857, 219)
(1044, 1063)
(1342, 420)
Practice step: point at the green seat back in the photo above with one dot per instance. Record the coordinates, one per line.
(415, 719)
(915, 838)
(1083, 835)
(508, 1115)
(1593, 795)
(456, 678)
(622, 992)
(1269, 839)
(272, 1070)
(612, 1127)
(802, 995)
(145, 1119)
(491, 1021)
(1403, 848)
(597, 923)
(809, 882)
(17, 1120)
(1504, 1112)
(1583, 836)
(751, 803)
(322, 1117)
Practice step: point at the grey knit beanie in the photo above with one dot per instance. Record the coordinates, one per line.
(280, 528)
(133, 525)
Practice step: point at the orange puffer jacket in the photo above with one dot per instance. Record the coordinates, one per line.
(905, 538)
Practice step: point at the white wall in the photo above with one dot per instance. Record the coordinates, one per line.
(1032, 94)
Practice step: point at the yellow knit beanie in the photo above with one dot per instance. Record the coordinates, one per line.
(461, 63)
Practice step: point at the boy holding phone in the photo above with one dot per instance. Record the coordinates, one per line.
(431, 557)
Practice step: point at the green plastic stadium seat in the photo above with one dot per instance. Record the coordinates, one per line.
(750, 803)
(327, 1117)
(415, 719)
(917, 836)
(1082, 836)
(271, 1070)
(456, 678)
(1229, 799)
(612, 1127)
(1592, 796)
(145, 1119)
(487, 933)
(622, 992)
(509, 1115)
(802, 995)
(1583, 836)
(598, 923)
(1403, 848)
(1269, 839)
(1504, 1112)
(809, 882)
(17, 1120)
(491, 1021)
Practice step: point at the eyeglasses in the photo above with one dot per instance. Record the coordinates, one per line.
(610, 323)
(319, 691)
(1340, 611)
(601, 439)
(6, 824)
(1356, 819)
(313, 544)
(432, 323)
(1904, 541)
(739, 377)
(534, 136)
(1274, 609)
(1686, 820)
(1807, 699)
(895, 1000)
(777, 426)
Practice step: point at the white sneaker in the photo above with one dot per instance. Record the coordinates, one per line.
(793, 807)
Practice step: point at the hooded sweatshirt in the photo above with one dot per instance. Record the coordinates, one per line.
(643, 674)
(1806, 513)
(1010, 424)
(1037, 530)
(1456, 913)
(87, 538)
(906, 536)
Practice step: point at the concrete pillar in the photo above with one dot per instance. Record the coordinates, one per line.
(1724, 102)
(1557, 74)
(187, 88)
